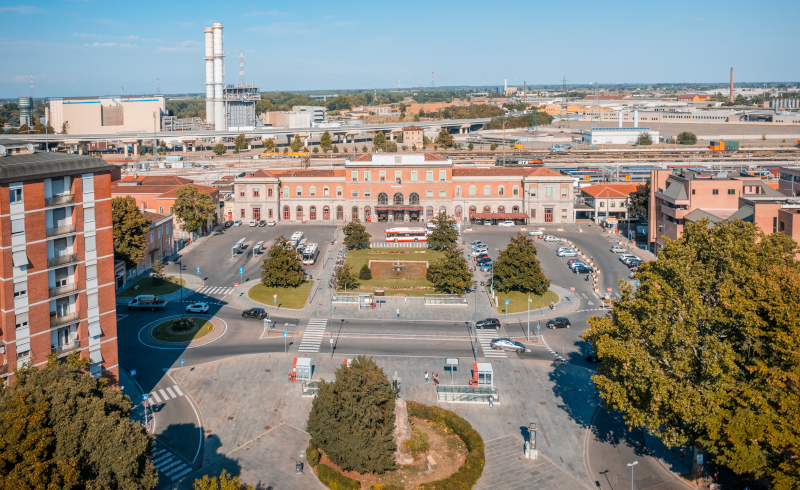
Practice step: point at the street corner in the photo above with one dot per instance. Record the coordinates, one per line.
(200, 330)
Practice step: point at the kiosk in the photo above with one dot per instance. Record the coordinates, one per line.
(301, 369)
(482, 374)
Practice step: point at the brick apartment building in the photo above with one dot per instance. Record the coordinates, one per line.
(57, 261)
(409, 187)
(412, 136)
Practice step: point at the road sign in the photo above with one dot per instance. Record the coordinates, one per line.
(285, 334)
(506, 301)
(198, 270)
(638, 283)
(241, 270)
(699, 459)
(573, 289)
(274, 296)
(133, 372)
(451, 361)
(236, 285)
(627, 178)
(331, 340)
(145, 397)
(609, 290)
(538, 326)
(183, 361)
(586, 178)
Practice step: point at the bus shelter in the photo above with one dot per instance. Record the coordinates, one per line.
(482, 374)
(237, 247)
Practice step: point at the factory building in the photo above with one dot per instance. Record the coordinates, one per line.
(240, 107)
(115, 114)
(25, 108)
(617, 136)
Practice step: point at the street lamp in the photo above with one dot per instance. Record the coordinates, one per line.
(529, 317)
(632, 465)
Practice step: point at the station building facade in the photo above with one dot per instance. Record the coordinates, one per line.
(403, 188)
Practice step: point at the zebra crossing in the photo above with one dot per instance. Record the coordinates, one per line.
(169, 464)
(596, 295)
(171, 392)
(215, 290)
(485, 340)
(312, 337)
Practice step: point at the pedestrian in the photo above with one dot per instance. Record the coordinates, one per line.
(437, 379)
(426, 377)
(405, 300)
(552, 306)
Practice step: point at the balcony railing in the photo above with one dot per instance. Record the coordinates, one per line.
(61, 260)
(56, 320)
(61, 200)
(60, 230)
(3, 369)
(68, 347)
(59, 290)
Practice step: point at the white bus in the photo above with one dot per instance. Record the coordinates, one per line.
(310, 254)
(406, 235)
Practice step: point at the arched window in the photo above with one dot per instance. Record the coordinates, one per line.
(563, 192)
(533, 191)
(458, 190)
(383, 199)
(312, 213)
(354, 213)
(501, 191)
(413, 199)
(325, 191)
(269, 192)
(472, 190)
(339, 212)
(487, 209)
(442, 210)
(299, 213)
(398, 199)
(338, 192)
(312, 191)
(367, 214)
(286, 214)
(459, 212)
(299, 191)
(472, 211)
(501, 209)
(515, 209)
(515, 191)
(326, 213)
(486, 190)
(429, 213)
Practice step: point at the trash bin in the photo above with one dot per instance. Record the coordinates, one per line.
(298, 466)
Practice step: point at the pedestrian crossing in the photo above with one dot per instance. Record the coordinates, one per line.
(485, 340)
(596, 295)
(312, 337)
(168, 464)
(215, 290)
(165, 394)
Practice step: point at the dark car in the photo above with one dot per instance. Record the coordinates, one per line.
(481, 256)
(591, 352)
(488, 323)
(483, 260)
(228, 224)
(634, 264)
(559, 322)
(262, 223)
(583, 269)
(257, 313)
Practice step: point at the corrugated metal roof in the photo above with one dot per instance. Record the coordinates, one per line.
(41, 165)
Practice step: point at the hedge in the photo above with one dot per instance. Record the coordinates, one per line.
(385, 486)
(312, 454)
(335, 480)
(471, 470)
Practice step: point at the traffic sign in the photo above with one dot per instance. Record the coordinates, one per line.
(638, 283)
(609, 290)
(274, 296)
(241, 270)
(198, 269)
(236, 285)
(285, 334)
(451, 361)
(133, 372)
(573, 289)
(586, 178)
(145, 397)
(506, 301)
(700, 458)
(538, 326)
(183, 361)
(627, 178)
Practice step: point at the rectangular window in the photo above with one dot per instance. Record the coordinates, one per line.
(602, 204)
(774, 225)
(151, 238)
(366, 176)
(285, 192)
(398, 175)
(20, 289)
(19, 259)
(88, 215)
(382, 176)
(413, 176)
(15, 193)
(92, 300)
(241, 213)
(472, 190)
(161, 210)
(21, 320)
(91, 242)
(354, 193)
(367, 193)
(170, 210)
(159, 233)
(731, 192)
(442, 193)
(256, 192)
(442, 175)
(548, 191)
(354, 176)
(241, 191)
(429, 176)
(533, 213)
(781, 226)
(428, 193)
(269, 213)
(91, 271)
(715, 192)
(17, 226)
(693, 191)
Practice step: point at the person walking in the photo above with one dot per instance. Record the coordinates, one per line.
(426, 377)
(437, 379)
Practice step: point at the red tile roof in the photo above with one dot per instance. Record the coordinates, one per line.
(173, 193)
(308, 172)
(157, 180)
(493, 171)
(429, 157)
(610, 190)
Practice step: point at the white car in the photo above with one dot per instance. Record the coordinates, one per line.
(623, 257)
(238, 222)
(618, 249)
(480, 251)
(567, 253)
(270, 223)
(253, 222)
(509, 224)
(487, 223)
(536, 233)
(197, 308)
(551, 238)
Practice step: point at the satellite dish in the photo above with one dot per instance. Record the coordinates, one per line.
(2, 150)
(29, 147)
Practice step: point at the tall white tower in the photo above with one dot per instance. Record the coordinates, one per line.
(209, 32)
(219, 73)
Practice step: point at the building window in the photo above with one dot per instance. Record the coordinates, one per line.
(299, 191)
(15, 193)
(312, 213)
(354, 213)
(21, 289)
(325, 191)
(458, 212)
(501, 209)
(398, 175)
(257, 214)
(563, 192)
(533, 214)
(429, 176)
(366, 176)
(486, 190)
(515, 191)
(161, 210)
(286, 212)
(429, 193)
(241, 191)
(18, 226)
(613, 204)
(383, 199)
(715, 192)
(533, 191)
(693, 191)
(398, 199)
(515, 209)
(285, 192)
(367, 193)
(354, 193)
(472, 211)
(256, 192)
(299, 213)
(472, 190)
(312, 191)
(501, 191)
(269, 213)
(442, 175)
(339, 213)
(269, 192)
(170, 210)
(90, 242)
(382, 176)
(731, 192)
(442, 193)
(487, 209)
(781, 226)
(429, 213)
(774, 225)
(241, 213)
(338, 192)
(548, 192)
(413, 176)
(413, 199)
(354, 176)
(458, 191)
(326, 213)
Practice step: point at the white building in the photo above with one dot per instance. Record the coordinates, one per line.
(617, 136)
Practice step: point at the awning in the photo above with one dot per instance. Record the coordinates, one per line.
(94, 355)
(19, 259)
(499, 216)
(94, 329)
(399, 207)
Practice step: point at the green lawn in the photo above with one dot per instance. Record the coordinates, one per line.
(170, 285)
(357, 258)
(160, 332)
(517, 301)
(292, 298)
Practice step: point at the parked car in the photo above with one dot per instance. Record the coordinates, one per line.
(475, 243)
(238, 222)
(582, 269)
(507, 344)
(551, 238)
(578, 263)
(567, 253)
(257, 313)
(488, 323)
(623, 257)
(483, 260)
(228, 224)
(487, 266)
(570, 262)
(628, 260)
(197, 308)
(270, 223)
(617, 249)
(262, 223)
(508, 224)
(479, 253)
(536, 233)
(253, 222)
(634, 264)
(487, 223)
(591, 352)
(558, 322)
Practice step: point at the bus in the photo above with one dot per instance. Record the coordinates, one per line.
(406, 235)
(310, 254)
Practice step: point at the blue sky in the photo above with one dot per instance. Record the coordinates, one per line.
(95, 47)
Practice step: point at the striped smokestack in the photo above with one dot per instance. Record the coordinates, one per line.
(731, 84)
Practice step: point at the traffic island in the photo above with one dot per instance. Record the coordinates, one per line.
(168, 333)
(148, 286)
(518, 301)
(289, 298)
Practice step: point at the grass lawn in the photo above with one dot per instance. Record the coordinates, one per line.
(517, 301)
(160, 332)
(292, 298)
(357, 258)
(170, 285)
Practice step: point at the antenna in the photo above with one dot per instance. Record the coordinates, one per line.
(122, 91)
(241, 67)
(596, 103)
(565, 105)
(398, 83)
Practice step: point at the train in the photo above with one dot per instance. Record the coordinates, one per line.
(519, 161)
(724, 145)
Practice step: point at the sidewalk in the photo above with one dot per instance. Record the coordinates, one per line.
(131, 388)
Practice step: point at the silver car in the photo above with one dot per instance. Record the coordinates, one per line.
(617, 249)
(567, 253)
(551, 238)
(507, 344)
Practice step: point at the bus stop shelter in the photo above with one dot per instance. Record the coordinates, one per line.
(482, 374)
(237, 247)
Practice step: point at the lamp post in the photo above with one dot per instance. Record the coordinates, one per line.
(528, 336)
(180, 280)
(632, 465)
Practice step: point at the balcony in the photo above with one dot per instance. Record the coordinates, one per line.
(65, 348)
(675, 212)
(62, 200)
(56, 320)
(3, 369)
(60, 230)
(59, 290)
(62, 260)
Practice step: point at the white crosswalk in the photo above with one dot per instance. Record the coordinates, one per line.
(485, 340)
(168, 464)
(312, 337)
(215, 290)
(160, 395)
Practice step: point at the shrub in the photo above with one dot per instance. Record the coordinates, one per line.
(312, 453)
(385, 486)
(470, 471)
(417, 443)
(365, 274)
(335, 480)
(182, 324)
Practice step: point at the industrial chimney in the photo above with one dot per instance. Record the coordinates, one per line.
(731, 84)
(219, 73)
(209, 32)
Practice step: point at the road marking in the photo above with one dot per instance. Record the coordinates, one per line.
(169, 464)
(552, 351)
(171, 393)
(180, 393)
(154, 395)
(312, 337)
(163, 395)
(485, 340)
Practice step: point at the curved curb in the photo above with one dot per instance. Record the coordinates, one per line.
(178, 345)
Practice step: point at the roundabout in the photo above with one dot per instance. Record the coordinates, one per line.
(164, 334)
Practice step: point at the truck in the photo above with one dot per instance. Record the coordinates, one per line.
(144, 301)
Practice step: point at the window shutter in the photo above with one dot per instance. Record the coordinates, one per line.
(17, 226)
(20, 259)
(20, 287)
(91, 271)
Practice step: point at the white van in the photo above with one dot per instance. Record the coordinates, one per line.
(296, 236)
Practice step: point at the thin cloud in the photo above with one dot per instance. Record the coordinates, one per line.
(282, 29)
(183, 47)
(344, 23)
(21, 78)
(21, 9)
(259, 13)
(110, 44)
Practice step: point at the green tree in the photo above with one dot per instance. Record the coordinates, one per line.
(282, 266)
(416, 117)
(687, 138)
(400, 137)
(24, 129)
(316, 149)
(285, 150)
(450, 274)
(402, 107)
(264, 105)
(444, 139)
(390, 146)
(344, 277)
(413, 147)
(296, 144)
(219, 149)
(325, 141)
(379, 141)
(240, 143)
(640, 200)
(193, 208)
(365, 274)
(364, 148)
(644, 139)
(141, 150)
(355, 235)
(157, 273)
(493, 146)
(404, 147)
(269, 144)
(224, 482)
(518, 269)
(65, 429)
(425, 141)
(335, 149)
(471, 146)
(705, 351)
(444, 234)
(129, 227)
(352, 418)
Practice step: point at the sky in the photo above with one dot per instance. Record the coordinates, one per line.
(97, 47)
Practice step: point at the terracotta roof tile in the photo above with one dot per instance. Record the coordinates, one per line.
(493, 171)
(610, 190)
(310, 172)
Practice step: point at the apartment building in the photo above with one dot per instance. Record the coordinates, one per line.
(412, 136)
(607, 200)
(57, 261)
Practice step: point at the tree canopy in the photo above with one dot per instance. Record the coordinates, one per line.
(356, 235)
(352, 418)
(225, 481)
(64, 429)
(450, 274)
(325, 141)
(644, 139)
(640, 200)
(444, 138)
(282, 266)
(193, 208)
(296, 144)
(344, 277)
(240, 143)
(687, 138)
(444, 234)
(379, 141)
(130, 227)
(518, 269)
(706, 351)
(219, 149)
